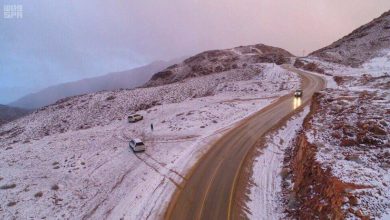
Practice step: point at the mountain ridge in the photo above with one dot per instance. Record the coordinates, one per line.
(8, 113)
(116, 80)
(215, 61)
(362, 44)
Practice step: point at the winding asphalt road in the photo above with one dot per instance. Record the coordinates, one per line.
(210, 187)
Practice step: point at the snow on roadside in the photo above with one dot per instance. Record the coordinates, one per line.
(333, 69)
(361, 98)
(91, 173)
(264, 202)
(378, 65)
(385, 216)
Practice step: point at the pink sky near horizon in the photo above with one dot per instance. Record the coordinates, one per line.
(295, 25)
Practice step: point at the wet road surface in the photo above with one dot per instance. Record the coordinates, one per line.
(210, 187)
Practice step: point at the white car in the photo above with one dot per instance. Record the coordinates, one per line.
(135, 118)
(137, 145)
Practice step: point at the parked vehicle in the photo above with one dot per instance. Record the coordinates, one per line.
(298, 93)
(137, 145)
(135, 118)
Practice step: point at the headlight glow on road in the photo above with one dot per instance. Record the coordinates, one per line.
(297, 102)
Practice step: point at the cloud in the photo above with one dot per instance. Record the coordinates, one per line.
(64, 40)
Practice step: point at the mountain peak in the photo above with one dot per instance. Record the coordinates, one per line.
(360, 45)
(215, 61)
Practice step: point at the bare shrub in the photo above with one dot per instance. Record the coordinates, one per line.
(55, 187)
(8, 186)
(38, 194)
(111, 97)
(11, 204)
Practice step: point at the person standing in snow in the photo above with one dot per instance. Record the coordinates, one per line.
(151, 126)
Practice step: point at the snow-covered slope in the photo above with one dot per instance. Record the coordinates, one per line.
(350, 129)
(344, 172)
(217, 61)
(102, 108)
(378, 65)
(72, 160)
(362, 44)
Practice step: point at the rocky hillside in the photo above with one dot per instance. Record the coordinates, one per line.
(102, 108)
(364, 43)
(8, 113)
(71, 160)
(341, 159)
(216, 61)
(339, 167)
(340, 163)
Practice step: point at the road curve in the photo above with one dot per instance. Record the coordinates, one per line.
(210, 187)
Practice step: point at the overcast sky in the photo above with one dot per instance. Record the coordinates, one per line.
(65, 40)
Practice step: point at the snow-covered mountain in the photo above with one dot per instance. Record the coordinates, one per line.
(216, 61)
(112, 81)
(71, 160)
(366, 42)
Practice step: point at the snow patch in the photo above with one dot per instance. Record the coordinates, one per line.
(378, 65)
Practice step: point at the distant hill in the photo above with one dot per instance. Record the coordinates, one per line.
(8, 113)
(362, 44)
(112, 81)
(215, 61)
